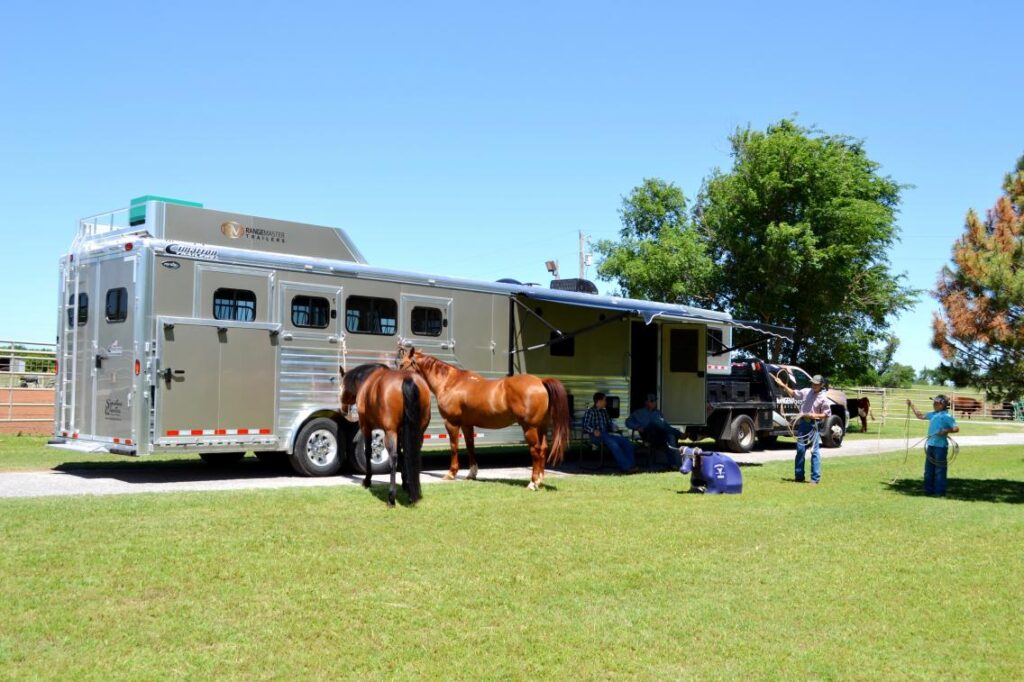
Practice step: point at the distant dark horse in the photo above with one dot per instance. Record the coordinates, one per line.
(467, 400)
(398, 403)
(863, 410)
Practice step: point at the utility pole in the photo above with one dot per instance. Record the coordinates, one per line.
(585, 258)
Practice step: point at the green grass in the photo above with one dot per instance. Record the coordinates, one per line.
(600, 577)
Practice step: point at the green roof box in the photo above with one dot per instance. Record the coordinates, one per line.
(137, 212)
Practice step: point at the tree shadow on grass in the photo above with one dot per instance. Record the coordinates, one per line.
(999, 490)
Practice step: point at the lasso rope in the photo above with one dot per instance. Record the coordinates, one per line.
(952, 451)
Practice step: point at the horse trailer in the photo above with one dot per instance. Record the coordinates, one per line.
(223, 333)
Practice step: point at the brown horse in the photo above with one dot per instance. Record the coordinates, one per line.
(467, 400)
(399, 404)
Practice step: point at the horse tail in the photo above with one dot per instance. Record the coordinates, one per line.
(411, 438)
(558, 410)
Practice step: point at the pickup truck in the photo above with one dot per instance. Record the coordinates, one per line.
(747, 407)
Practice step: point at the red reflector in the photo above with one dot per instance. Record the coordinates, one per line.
(196, 432)
(138, 367)
(117, 440)
(56, 367)
(128, 246)
(243, 432)
(174, 433)
(220, 432)
(129, 442)
(264, 432)
(74, 435)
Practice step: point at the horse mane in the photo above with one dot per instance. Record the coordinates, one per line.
(354, 378)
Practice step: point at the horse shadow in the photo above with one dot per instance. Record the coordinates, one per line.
(380, 491)
(996, 490)
(512, 482)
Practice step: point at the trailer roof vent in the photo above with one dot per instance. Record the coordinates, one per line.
(582, 286)
(137, 212)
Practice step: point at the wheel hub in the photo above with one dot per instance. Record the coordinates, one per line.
(321, 448)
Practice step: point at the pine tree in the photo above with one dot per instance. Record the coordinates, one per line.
(980, 329)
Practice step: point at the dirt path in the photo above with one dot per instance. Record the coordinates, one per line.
(161, 479)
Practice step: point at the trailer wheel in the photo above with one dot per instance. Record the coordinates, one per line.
(381, 464)
(742, 434)
(834, 432)
(220, 459)
(317, 449)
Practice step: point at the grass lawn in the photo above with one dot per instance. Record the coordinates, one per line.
(599, 577)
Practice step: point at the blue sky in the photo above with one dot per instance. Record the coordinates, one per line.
(475, 139)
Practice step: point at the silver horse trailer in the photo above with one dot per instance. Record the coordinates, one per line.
(184, 329)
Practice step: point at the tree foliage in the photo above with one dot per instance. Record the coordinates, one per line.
(660, 255)
(800, 230)
(980, 329)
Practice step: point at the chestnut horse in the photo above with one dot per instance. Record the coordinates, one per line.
(467, 400)
(399, 404)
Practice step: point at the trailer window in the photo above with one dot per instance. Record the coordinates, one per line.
(715, 343)
(83, 310)
(566, 348)
(683, 345)
(427, 321)
(234, 304)
(117, 304)
(366, 315)
(311, 312)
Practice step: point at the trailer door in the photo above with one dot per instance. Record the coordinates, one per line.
(217, 381)
(683, 382)
(114, 353)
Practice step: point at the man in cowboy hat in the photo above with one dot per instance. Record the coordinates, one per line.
(813, 408)
(658, 433)
(940, 424)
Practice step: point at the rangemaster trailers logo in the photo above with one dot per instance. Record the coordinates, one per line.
(235, 230)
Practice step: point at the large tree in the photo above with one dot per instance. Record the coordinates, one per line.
(980, 329)
(800, 229)
(660, 255)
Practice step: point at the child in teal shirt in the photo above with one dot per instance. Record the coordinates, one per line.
(940, 424)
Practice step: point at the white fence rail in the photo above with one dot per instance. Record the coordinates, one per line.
(27, 375)
(891, 403)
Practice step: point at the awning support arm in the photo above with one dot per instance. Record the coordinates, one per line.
(543, 321)
(582, 330)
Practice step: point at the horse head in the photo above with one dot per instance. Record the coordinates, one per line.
(406, 357)
(348, 396)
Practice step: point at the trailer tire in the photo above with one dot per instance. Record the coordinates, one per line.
(834, 432)
(357, 456)
(318, 450)
(221, 459)
(742, 434)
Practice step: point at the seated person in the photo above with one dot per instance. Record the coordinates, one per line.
(651, 424)
(597, 425)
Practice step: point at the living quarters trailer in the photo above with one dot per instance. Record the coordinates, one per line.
(185, 329)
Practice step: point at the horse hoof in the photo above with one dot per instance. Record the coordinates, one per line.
(531, 486)
(449, 476)
(471, 476)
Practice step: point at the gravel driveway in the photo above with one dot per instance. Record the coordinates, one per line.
(160, 478)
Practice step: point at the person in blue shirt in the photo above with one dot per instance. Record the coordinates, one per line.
(653, 428)
(601, 429)
(940, 424)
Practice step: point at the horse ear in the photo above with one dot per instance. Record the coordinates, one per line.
(341, 370)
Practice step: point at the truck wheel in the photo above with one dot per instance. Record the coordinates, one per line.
(221, 459)
(767, 441)
(380, 463)
(317, 449)
(742, 434)
(834, 432)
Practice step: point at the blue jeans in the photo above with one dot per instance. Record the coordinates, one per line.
(807, 433)
(621, 449)
(935, 470)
